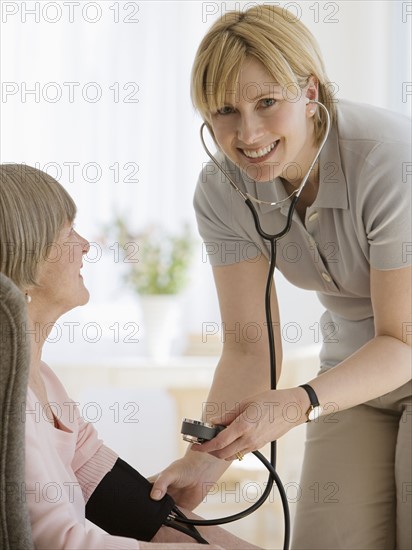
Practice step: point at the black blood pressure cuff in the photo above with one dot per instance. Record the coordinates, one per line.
(121, 504)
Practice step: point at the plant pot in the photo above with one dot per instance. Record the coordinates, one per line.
(161, 313)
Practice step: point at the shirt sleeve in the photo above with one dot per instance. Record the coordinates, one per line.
(92, 459)
(214, 202)
(385, 205)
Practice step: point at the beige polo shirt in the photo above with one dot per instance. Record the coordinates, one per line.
(361, 218)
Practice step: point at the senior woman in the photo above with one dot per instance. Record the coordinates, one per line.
(255, 78)
(42, 253)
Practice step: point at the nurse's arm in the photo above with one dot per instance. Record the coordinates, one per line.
(384, 363)
(242, 371)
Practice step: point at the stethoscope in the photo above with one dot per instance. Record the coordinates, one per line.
(198, 432)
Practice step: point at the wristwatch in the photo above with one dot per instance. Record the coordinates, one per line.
(315, 409)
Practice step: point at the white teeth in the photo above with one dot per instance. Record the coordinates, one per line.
(260, 152)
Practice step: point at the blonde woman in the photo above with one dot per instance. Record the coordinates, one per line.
(254, 77)
(70, 474)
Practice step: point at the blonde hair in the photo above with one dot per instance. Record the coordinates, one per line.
(274, 37)
(33, 209)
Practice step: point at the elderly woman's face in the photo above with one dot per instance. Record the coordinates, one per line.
(264, 128)
(61, 285)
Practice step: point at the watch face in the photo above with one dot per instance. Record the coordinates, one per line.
(314, 413)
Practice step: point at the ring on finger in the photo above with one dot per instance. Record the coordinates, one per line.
(239, 455)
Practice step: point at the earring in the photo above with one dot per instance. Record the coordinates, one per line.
(28, 297)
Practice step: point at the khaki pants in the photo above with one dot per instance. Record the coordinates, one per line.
(357, 480)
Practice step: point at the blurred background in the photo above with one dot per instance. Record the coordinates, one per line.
(97, 94)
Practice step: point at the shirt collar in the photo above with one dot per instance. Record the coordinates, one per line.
(333, 189)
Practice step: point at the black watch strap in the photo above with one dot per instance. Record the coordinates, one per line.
(314, 401)
(315, 409)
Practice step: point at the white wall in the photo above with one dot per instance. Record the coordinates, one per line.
(366, 46)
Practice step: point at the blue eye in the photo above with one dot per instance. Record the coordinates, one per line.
(226, 110)
(268, 102)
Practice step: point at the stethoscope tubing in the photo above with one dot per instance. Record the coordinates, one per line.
(272, 238)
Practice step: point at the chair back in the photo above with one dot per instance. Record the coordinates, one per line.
(15, 530)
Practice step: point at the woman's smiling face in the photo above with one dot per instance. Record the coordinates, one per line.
(266, 129)
(60, 283)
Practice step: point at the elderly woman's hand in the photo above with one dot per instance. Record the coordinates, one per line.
(188, 480)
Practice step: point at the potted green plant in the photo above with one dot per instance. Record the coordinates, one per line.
(158, 264)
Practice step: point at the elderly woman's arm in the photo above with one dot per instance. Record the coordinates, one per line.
(50, 498)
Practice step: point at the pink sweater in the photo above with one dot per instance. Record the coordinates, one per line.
(63, 466)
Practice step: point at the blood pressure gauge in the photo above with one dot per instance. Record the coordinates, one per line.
(195, 431)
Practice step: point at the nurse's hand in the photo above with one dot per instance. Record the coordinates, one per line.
(188, 480)
(256, 421)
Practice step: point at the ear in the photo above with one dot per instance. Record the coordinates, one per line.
(311, 90)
